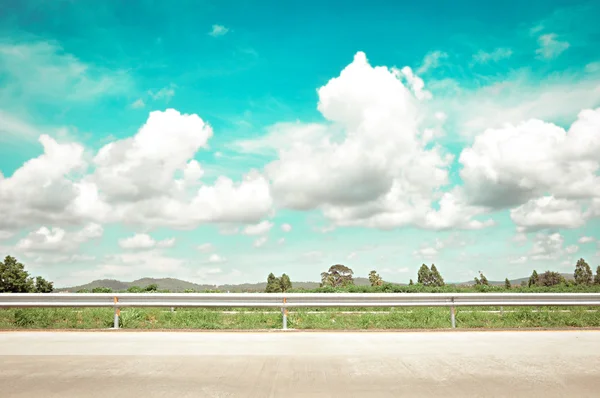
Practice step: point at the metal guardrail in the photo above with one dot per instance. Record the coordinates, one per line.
(295, 300)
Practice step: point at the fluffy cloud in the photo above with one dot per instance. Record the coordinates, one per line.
(215, 258)
(370, 165)
(483, 57)
(144, 241)
(206, 247)
(258, 229)
(149, 179)
(549, 173)
(286, 227)
(586, 239)
(55, 240)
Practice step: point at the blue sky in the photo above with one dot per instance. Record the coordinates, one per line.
(219, 141)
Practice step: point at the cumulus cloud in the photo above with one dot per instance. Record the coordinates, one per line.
(215, 258)
(206, 247)
(369, 166)
(150, 179)
(258, 229)
(547, 247)
(585, 239)
(286, 227)
(55, 240)
(549, 173)
(145, 241)
(431, 61)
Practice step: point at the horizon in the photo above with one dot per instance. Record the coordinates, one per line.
(217, 143)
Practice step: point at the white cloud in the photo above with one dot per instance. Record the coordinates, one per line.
(369, 167)
(57, 239)
(206, 247)
(415, 83)
(498, 54)
(286, 227)
(585, 239)
(552, 173)
(572, 249)
(548, 212)
(218, 30)
(44, 72)
(258, 229)
(426, 252)
(260, 241)
(165, 93)
(137, 104)
(281, 241)
(215, 258)
(145, 241)
(547, 247)
(550, 47)
(6, 235)
(431, 61)
(352, 255)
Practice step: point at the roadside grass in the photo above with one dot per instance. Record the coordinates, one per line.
(304, 319)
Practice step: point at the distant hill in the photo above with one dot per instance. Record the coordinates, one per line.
(178, 285)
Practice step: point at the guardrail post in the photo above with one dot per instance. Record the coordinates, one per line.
(453, 315)
(117, 313)
(284, 312)
(501, 311)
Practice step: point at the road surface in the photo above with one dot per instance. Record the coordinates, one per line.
(300, 364)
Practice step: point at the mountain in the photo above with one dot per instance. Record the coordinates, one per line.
(178, 285)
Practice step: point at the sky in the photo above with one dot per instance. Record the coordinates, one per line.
(219, 141)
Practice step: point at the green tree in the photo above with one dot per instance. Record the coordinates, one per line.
(134, 289)
(153, 287)
(102, 289)
(533, 279)
(273, 284)
(14, 278)
(43, 286)
(436, 278)
(285, 282)
(482, 280)
(337, 275)
(550, 278)
(583, 273)
(424, 275)
(411, 283)
(597, 277)
(375, 279)
(507, 284)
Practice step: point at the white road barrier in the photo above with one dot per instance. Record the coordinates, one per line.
(294, 300)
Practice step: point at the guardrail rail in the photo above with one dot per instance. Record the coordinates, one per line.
(294, 300)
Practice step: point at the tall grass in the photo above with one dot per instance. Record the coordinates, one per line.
(331, 318)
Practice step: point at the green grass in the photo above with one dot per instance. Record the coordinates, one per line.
(306, 319)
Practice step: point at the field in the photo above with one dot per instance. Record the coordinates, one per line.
(306, 319)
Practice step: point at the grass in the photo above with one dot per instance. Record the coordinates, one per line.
(305, 319)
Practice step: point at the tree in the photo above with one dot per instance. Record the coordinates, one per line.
(102, 289)
(533, 279)
(436, 278)
(597, 277)
(550, 278)
(424, 275)
(482, 280)
(507, 284)
(338, 275)
(134, 289)
(14, 278)
(273, 284)
(411, 283)
(43, 286)
(285, 283)
(375, 279)
(583, 273)
(153, 287)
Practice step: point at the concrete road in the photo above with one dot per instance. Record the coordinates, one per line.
(300, 364)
